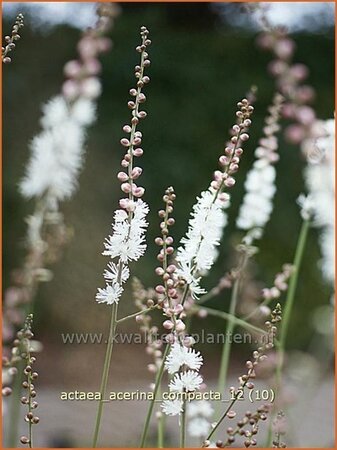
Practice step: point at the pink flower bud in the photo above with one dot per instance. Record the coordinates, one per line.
(230, 182)
(305, 115)
(217, 175)
(136, 172)
(122, 176)
(138, 152)
(160, 289)
(284, 48)
(180, 326)
(104, 44)
(138, 191)
(294, 134)
(178, 309)
(72, 69)
(299, 71)
(171, 268)
(223, 160)
(126, 187)
(70, 89)
(93, 66)
(91, 88)
(168, 325)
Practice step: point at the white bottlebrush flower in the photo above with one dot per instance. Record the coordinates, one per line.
(260, 189)
(200, 408)
(110, 294)
(57, 152)
(320, 181)
(180, 355)
(187, 381)
(172, 407)
(198, 427)
(112, 272)
(198, 250)
(128, 239)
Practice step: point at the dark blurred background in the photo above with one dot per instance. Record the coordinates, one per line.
(202, 64)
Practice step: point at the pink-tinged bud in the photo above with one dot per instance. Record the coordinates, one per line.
(235, 160)
(138, 152)
(124, 163)
(136, 172)
(244, 137)
(238, 151)
(288, 110)
(233, 167)
(171, 268)
(178, 309)
(72, 69)
(169, 240)
(91, 88)
(127, 129)
(168, 325)
(126, 187)
(137, 141)
(138, 191)
(277, 67)
(229, 151)
(173, 293)
(215, 185)
(294, 134)
(230, 182)
(180, 326)
(125, 142)
(236, 128)
(305, 115)
(265, 310)
(159, 241)
(152, 368)
(202, 313)
(284, 48)
(299, 71)
(159, 271)
(224, 197)
(274, 292)
(87, 48)
(139, 319)
(104, 44)
(70, 90)
(122, 176)
(305, 94)
(160, 289)
(123, 203)
(170, 339)
(266, 293)
(169, 250)
(265, 41)
(217, 175)
(189, 341)
(223, 160)
(93, 66)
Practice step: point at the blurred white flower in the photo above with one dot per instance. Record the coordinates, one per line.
(199, 427)
(57, 152)
(320, 180)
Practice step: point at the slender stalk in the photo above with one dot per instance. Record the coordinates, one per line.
(229, 317)
(226, 349)
(138, 313)
(287, 310)
(160, 429)
(183, 426)
(159, 377)
(105, 374)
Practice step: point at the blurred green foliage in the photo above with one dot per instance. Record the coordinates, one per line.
(199, 70)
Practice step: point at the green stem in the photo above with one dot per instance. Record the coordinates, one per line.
(105, 374)
(287, 310)
(226, 349)
(230, 318)
(159, 377)
(183, 426)
(138, 313)
(161, 427)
